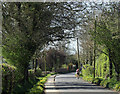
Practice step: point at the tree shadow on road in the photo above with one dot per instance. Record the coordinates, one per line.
(71, 85)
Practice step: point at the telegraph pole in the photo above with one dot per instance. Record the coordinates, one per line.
(78, 54)
(95, 48)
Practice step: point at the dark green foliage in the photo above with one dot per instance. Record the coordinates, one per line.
(55, 59)
(21, 40)
(107, 83)
(34, 85)
(23, 87)
(112, 82)
(31, 73)
(107, 36)
(10, 77)
(7, 77)
(39, 86)
(38, 72)
(81, 75)
(27, 27)
(13, 83)
(97, 81)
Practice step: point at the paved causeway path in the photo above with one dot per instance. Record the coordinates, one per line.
(68, 84)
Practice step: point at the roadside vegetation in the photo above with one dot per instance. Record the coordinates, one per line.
(37, 37)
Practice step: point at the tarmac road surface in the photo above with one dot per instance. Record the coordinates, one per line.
(68, 84)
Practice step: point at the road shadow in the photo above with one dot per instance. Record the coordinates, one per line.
(71, 85)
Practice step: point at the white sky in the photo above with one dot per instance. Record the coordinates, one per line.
(73, 46)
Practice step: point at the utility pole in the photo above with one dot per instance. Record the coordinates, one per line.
(95, 48)
(78, 54)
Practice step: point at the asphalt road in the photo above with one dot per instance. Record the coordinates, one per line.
(68, 84)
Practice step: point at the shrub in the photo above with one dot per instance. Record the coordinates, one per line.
(104, 83)
(39, 86)
(97, 81)
(89, 79)
(52, 73)
(31, 73)
(36, 90)
(112, 83)
(64, 66)
(38, 72)
(48, 75)
(81, 75)
(23, 87)
(87, 70)
(117, 87)
(43, 80)
(8, 77)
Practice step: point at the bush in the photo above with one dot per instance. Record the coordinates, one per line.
(8, 77)
(40, 84)
(105, 83)
(117, 87)
(112, 83)
(81, 75)
(39, 87)
(43, 80)
(64, 66)
(38, 72)
(97, 81)
(22, 88)
(31, 73)
(109, 83)
(87, 78)
(36, 90)
(87, 70)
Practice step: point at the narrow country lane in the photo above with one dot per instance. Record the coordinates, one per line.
(68, 84)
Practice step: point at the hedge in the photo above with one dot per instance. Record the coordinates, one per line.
(38, 88)
(107, 83)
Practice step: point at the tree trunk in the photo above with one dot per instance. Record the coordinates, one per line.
(110, 62)
(119, 18)
(11, 83)
(94, 58)
(78, 53)
(26, 74)
(95, 49)
(36, 63)
(91, 57)
(19, 14)
(118, 76)
(33, 63)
